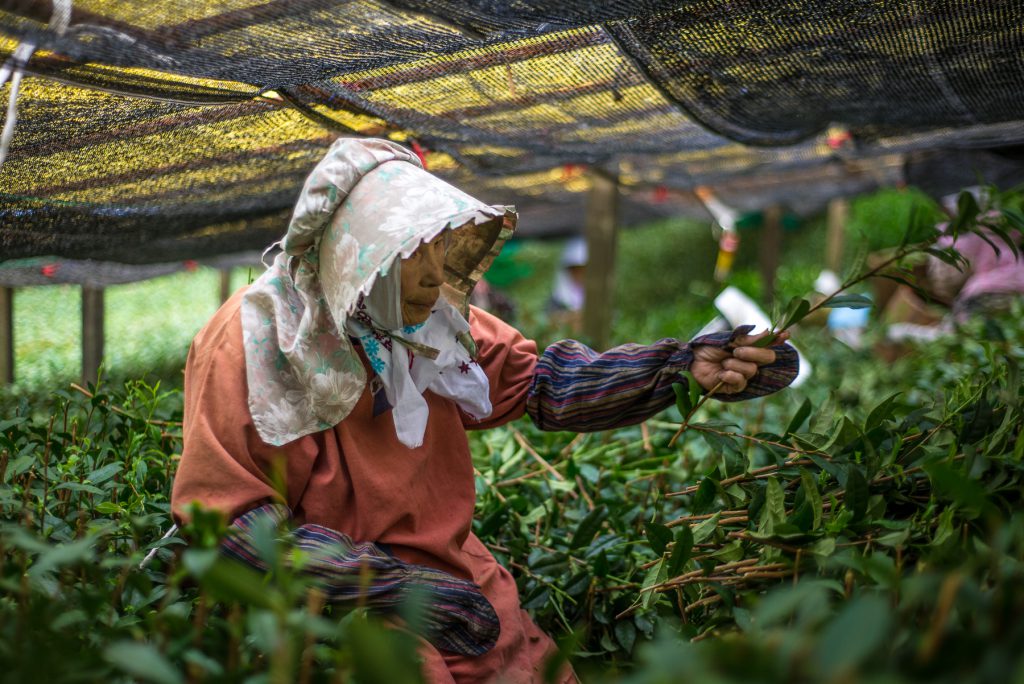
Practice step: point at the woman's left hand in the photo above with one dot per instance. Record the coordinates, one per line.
(733, 366)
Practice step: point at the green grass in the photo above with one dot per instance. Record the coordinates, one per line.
(148, 328)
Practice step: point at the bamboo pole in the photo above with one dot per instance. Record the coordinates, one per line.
(838, 211)
(770, 249)
(602, 234)
(6, 335)
(225, 284)
(92, 333)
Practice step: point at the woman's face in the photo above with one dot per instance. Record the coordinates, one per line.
(422, 277)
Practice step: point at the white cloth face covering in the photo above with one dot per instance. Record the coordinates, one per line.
(405, 372)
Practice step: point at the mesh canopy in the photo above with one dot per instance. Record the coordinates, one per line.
(151, 132)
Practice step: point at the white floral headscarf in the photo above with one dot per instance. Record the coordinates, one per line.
(371, 204)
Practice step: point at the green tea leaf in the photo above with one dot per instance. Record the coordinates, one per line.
(6, 425)
(550, 563)
(894, 539)
(588, 527)
(775, 502)
(704, 498)
(856, 492)
(682, 399)
(199, 561)
(822, 421)
(535, 514)
(705, 529)
(949, 256)
(842, 434)
(492, 522)
(105, 473)
(107, 508)
(71, 553)
(944, 530)
(920, 227)
(799, 417)
(966, 213)
(230, 580)
(967, 492)
(848, 301)
(860, 629)
(142, 661)
(882, 412)
(199, 659)
(79, 487)
(732, 551)
(796, 310)
(824, 547)
(657, 574)
(812, 496)
(857, 262)
(625, 634)
(601, 565)
(1015, 217)
(693, 387)
(381, 655)
(802, 518)
(658, 536)
(682, 550)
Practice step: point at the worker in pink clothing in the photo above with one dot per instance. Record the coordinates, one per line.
(994, 277)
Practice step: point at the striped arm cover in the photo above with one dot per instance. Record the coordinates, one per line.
(458, 616)
(575, 388)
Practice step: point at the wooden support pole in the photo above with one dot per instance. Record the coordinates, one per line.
(92, 333)
(225, 284)
(6, 335)
(601, 226)
(838, 211)
(770, 249)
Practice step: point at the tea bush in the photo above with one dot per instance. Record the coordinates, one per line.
(868, 525)
(865, 527)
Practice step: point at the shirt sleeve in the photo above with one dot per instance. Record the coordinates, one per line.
(508, 360)
(575, 388)
(458, 618)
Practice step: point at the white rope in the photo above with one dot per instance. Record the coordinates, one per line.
(724, 215)
(61, 17)
(13, 69)
(149, 556)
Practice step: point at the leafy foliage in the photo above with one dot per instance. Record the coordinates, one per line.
(866, 527)
(863, 533)
(84, 498)
(880, 219)
(876, 530)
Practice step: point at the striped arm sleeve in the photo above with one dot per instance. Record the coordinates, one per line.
(458, 617)
(575, 388)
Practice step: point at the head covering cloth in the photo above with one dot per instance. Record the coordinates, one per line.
(367, 204)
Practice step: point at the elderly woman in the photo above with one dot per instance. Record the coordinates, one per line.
(335, 392)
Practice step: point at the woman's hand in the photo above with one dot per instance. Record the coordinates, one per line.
(733, 365)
